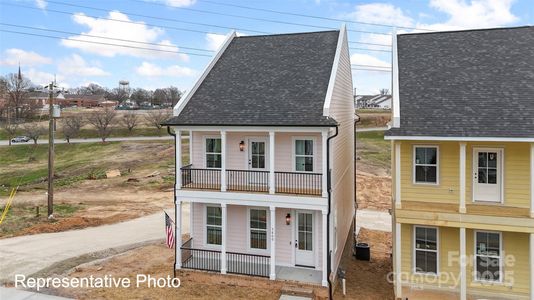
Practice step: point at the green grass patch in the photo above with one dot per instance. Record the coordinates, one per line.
(373, 149)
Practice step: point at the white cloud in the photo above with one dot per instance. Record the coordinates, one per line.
(41, 4)
(180, 3)
(382, 13)
(368, 60)
(14, 56)
(76, 65)
(137, 31)
(214, 40)
(152, 70)
(44, 78)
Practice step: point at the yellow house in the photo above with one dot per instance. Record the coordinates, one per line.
(462, 137)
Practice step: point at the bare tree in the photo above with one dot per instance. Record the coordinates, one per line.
(118, 94)
(130, 120)
(156, 117)
(34, 131)
(173, 95)
(384, 91)
(101, 120)
(10, 128)
(17, 87)
(71, 127)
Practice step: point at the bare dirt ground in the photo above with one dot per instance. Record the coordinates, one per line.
(157, 261)
(373, 191)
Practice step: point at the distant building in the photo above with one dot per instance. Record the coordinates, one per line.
(373, 101)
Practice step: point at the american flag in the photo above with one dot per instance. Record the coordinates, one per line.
(168, 231)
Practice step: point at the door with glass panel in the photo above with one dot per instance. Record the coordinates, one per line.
(487, 171)
(257, 161)
(304, 243)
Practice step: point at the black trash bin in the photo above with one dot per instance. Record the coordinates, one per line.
(363, 251)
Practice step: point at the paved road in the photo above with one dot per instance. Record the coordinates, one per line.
(371, 129)
(32, 253)
(97, 140)
(16, 294)
(373, 219)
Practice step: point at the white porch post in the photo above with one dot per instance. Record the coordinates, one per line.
(531, 260)
(532, 180)
(223, 244)
(223, 161)
(397, 174)
(398, 283)
(272, 188)
(178, 159)
(463, 265)
(178, 233)
(462, 208)
(325, 250)
(272, 276)
(324, 139)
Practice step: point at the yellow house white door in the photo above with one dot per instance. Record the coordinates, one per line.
(487, 174)
(304, 244)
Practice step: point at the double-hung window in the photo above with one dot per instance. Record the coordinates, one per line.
(304, 155)
(488, 256)
(426, 250)
(213, 225)
(213, 153)
(258, 228)
(426, 164)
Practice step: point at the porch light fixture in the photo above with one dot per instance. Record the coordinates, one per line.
(288, 219)
(241, 145)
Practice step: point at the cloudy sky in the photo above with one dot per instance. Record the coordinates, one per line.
(169, 42)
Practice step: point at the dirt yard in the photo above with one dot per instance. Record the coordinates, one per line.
(157, 262)
(373, 118)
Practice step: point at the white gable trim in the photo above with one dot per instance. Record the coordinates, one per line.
(395, 82)
(335, 67)
(183, 102)
(459, 138)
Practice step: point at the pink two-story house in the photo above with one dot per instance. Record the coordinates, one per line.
(271, 174)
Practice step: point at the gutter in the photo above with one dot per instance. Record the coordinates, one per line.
(174, 197)
(329, 188)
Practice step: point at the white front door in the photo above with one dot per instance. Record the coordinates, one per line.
(487, 175)
(257, 154)
(304, 243)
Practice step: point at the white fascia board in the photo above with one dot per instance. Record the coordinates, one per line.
(395, 82)
(183, 102)
(265, 200)
(457, 138)
(333, 73)
(316, 129)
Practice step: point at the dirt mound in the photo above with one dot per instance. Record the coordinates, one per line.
(373, 191)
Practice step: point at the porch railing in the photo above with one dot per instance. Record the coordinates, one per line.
(247, 181)
(206, 179)
(298, 183)
(200, 259)
(248, 264)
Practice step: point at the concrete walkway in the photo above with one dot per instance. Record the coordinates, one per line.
(373, 219)
(16, 294)
(32, 253)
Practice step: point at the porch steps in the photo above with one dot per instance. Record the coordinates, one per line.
(296, 293)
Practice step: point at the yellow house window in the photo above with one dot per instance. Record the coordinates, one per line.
(426, 164)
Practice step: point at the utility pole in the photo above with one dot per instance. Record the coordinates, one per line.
(51, 150)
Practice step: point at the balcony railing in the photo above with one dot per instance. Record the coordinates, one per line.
(298, 183)
(248, 264)
(200, 259)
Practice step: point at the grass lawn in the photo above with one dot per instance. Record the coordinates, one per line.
(91, 133)
(373, 149)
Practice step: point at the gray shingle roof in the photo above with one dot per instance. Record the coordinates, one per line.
(475, 83)
(269, 80)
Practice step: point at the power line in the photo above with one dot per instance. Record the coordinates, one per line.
(377, 70)
(102, 43)
(372, 44)
(373, 66)
(103, 37)
(312, 16)
(365, 49)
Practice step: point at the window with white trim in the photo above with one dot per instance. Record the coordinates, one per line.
(426, 250)
(488, 256)
(213, 153)
(213, 225)
(426, 164)
(303, 155)
(258, 228)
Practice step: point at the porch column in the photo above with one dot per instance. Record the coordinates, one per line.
(178, 233)
(397, 174)
(325, 250)
(532, 180)
(398, 259)
(223, 243)
(463, 265)
(531, 260)
(178, 159)
(223, 161)
(272, 276)
(190, 146)
(324, 139)
(272, 188)
(462, 209)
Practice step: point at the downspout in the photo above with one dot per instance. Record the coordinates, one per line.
(329, 189)
(174, 197)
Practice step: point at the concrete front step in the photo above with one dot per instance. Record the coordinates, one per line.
(302, 292)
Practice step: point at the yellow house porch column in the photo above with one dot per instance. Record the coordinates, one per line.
(462, 177)
(463, 265)
(398, 269)
(531, 255)
(532, 180)
(397, 174)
